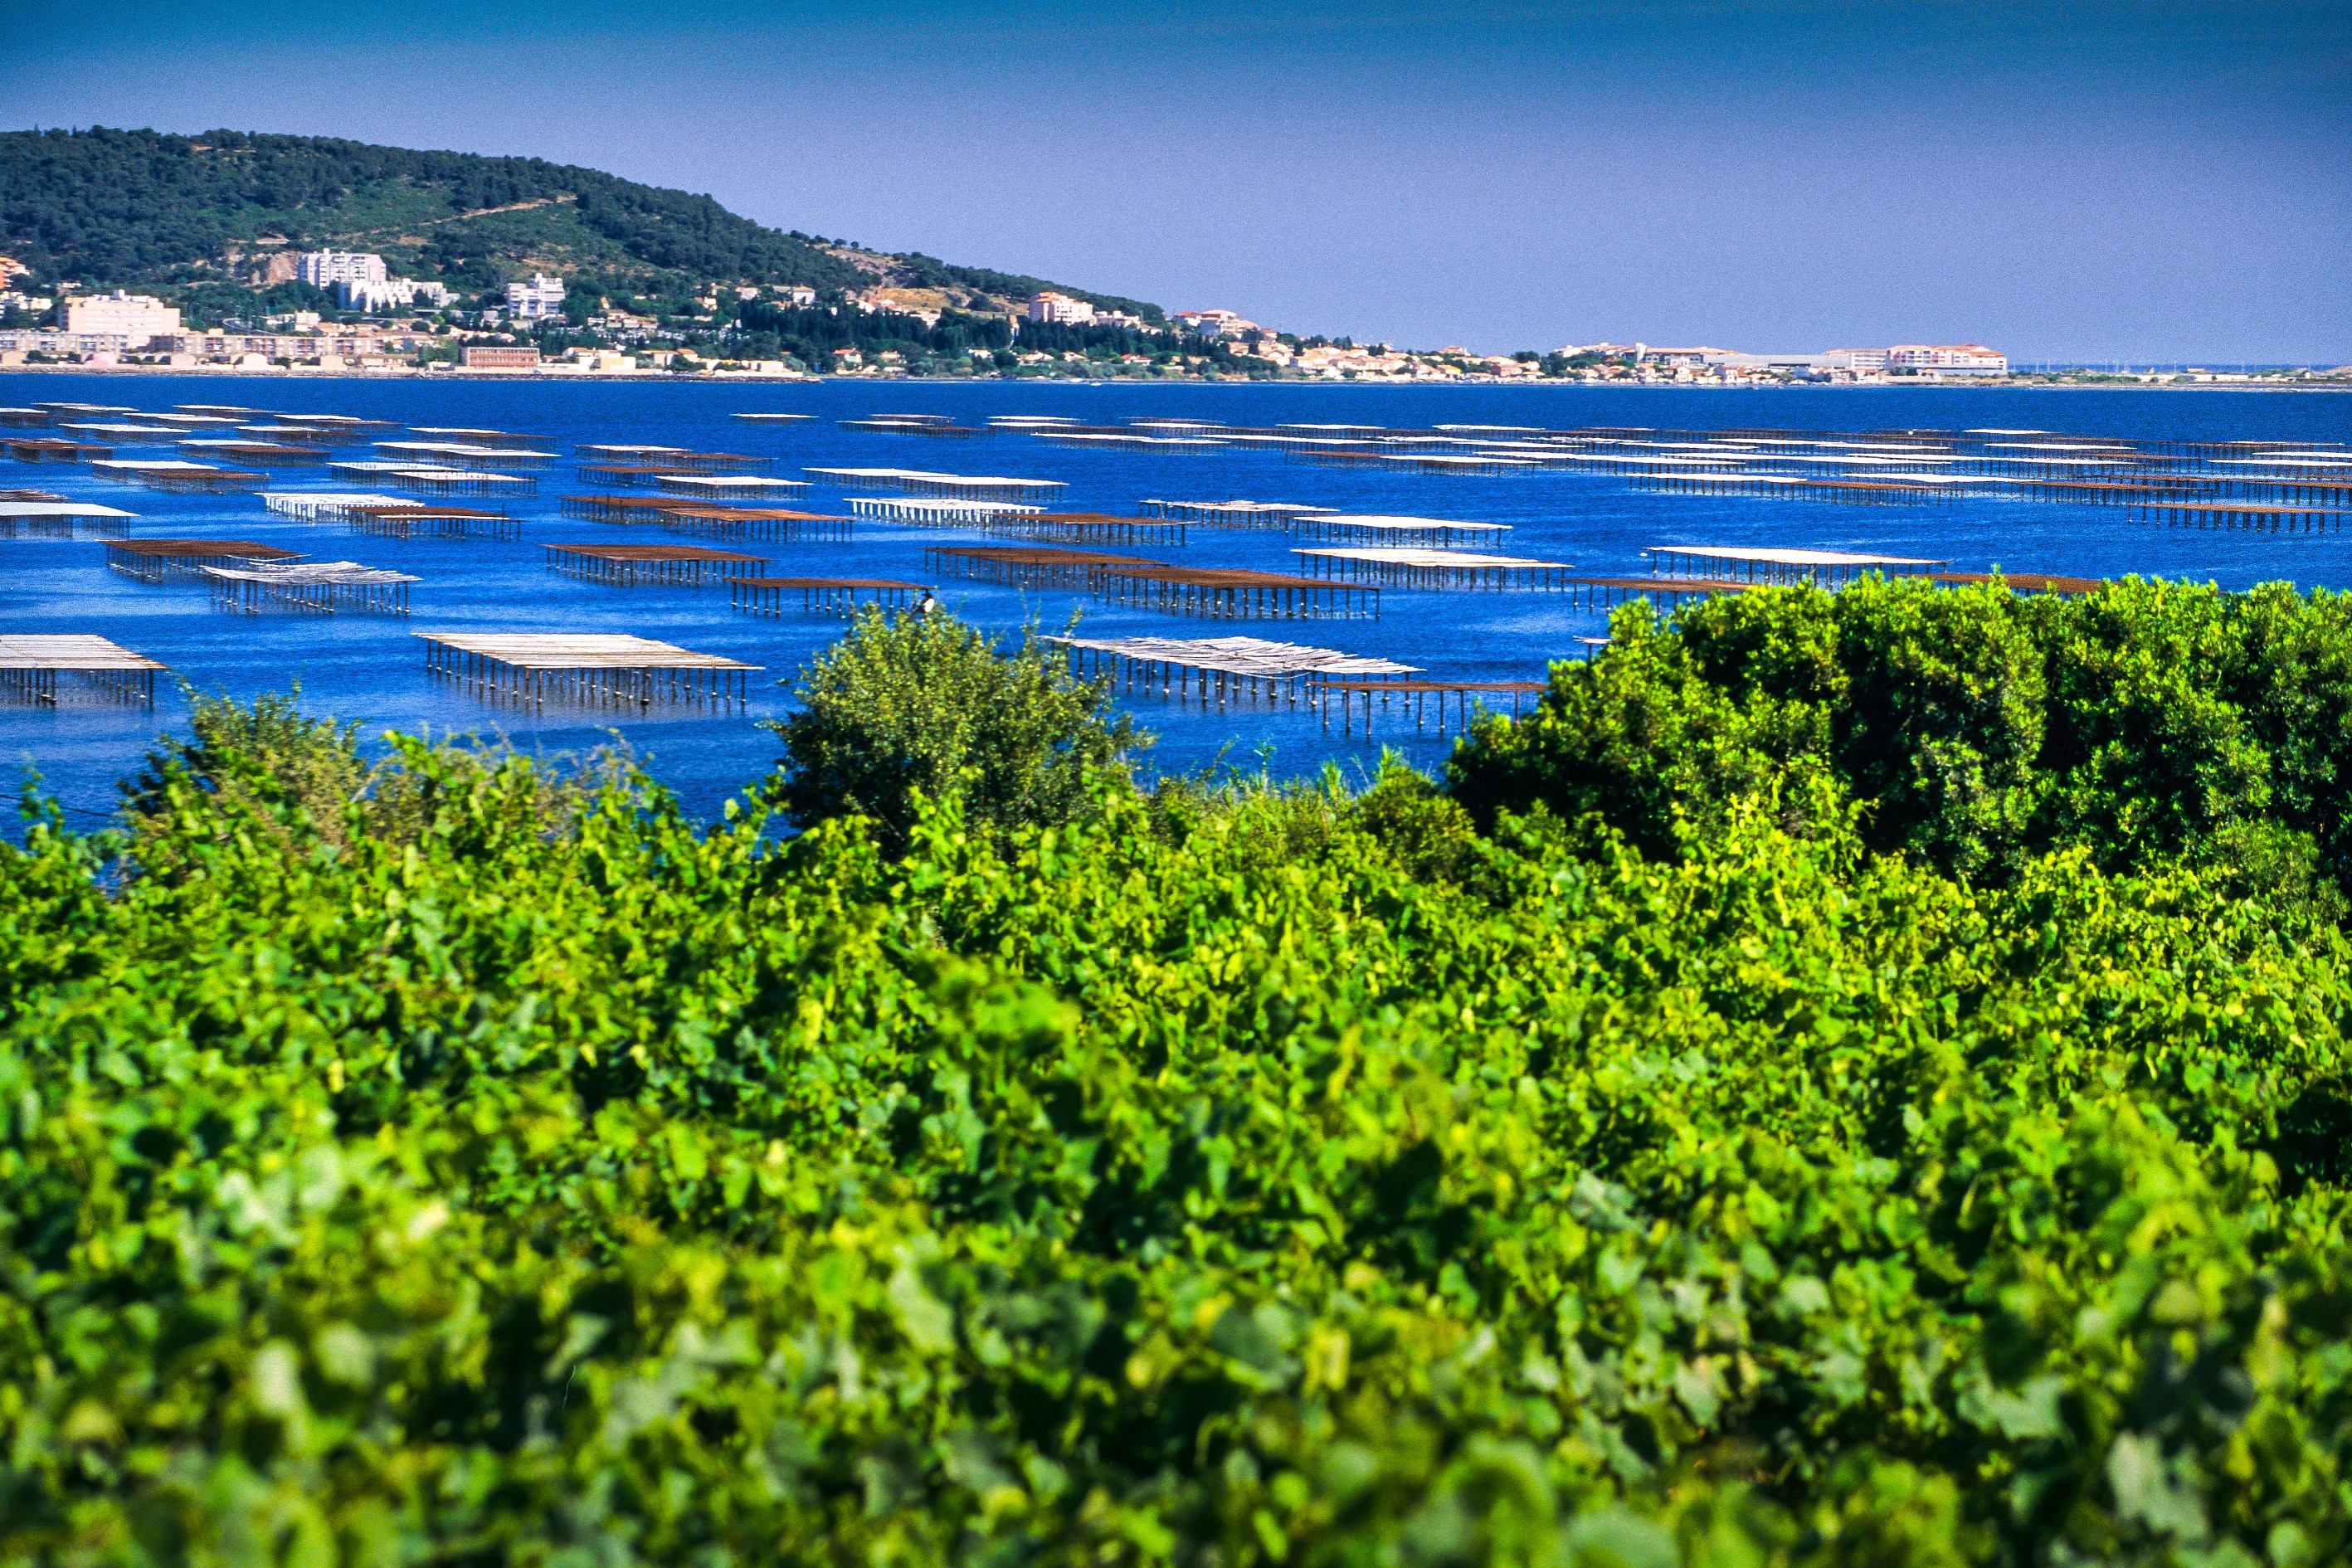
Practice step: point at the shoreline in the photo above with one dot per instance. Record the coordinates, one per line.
(748, 378)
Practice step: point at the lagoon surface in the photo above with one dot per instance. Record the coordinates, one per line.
(371, 669)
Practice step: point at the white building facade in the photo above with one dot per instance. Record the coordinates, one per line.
(538, 300)
(1947, 359)
(326, 269)
(134, 317)
(1050, 306)
(390, 294)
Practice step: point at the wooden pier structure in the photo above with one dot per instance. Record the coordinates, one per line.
(44, 449)
(1220, 670)
(1413, 697)
(677, 515)
(318, 587)
(470, 437)
(50, 518)
(178, 478)
(820, 595)
(414, 521)
(934, 425)
(946, 487)
(1404, 567)
(155, 560)
(462, 455)
(30, 665)
(1231, 593)
(1084, 528)
(728, 487)
(1238, 514)
(2022, 582)
(651, 565)
(1600, 593)
(584, 669)
(1019, 567)
(1769, 566)
(262, 454)
(2237, 514)
(1370, 527)
(937, 514)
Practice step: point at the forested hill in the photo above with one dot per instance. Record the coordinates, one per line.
(114, 209)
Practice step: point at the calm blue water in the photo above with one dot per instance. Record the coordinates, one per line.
(371, 669)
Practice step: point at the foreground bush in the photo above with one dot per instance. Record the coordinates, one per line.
(1233, 1179)
(920, 705)
(1977, 729)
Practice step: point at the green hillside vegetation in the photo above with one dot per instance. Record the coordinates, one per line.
(1852, 1081)
(119, 208)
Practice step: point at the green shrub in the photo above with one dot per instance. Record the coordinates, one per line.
(1208, 1183)
(1972, 729)
(917, 706)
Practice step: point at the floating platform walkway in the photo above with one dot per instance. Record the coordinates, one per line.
(1221, 670)
(651, 565)
(31, 666)
(1404, 567)
(947, 487)
(1769, 566)
(156, 559)
(820, 595)
(773, 418)
(320, 587)
(616, 670)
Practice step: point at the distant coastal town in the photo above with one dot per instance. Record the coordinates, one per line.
(367, 320)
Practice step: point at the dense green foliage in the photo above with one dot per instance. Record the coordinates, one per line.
(1219, 1178)
(915, 706)
(120, 208)
(1980, 728)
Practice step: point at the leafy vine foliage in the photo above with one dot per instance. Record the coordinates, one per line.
(1824, 1091)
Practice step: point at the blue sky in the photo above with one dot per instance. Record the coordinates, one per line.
(2163, 181)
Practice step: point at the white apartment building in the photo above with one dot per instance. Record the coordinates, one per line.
(1215, 323)
(133, 317)
(538, 300)
(1050, 306)
(1949, 358)
(390, 294)
(326, 269)
(1854, 359)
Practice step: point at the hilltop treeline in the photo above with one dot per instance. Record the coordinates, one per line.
(120, 207)
(1854, 1080)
